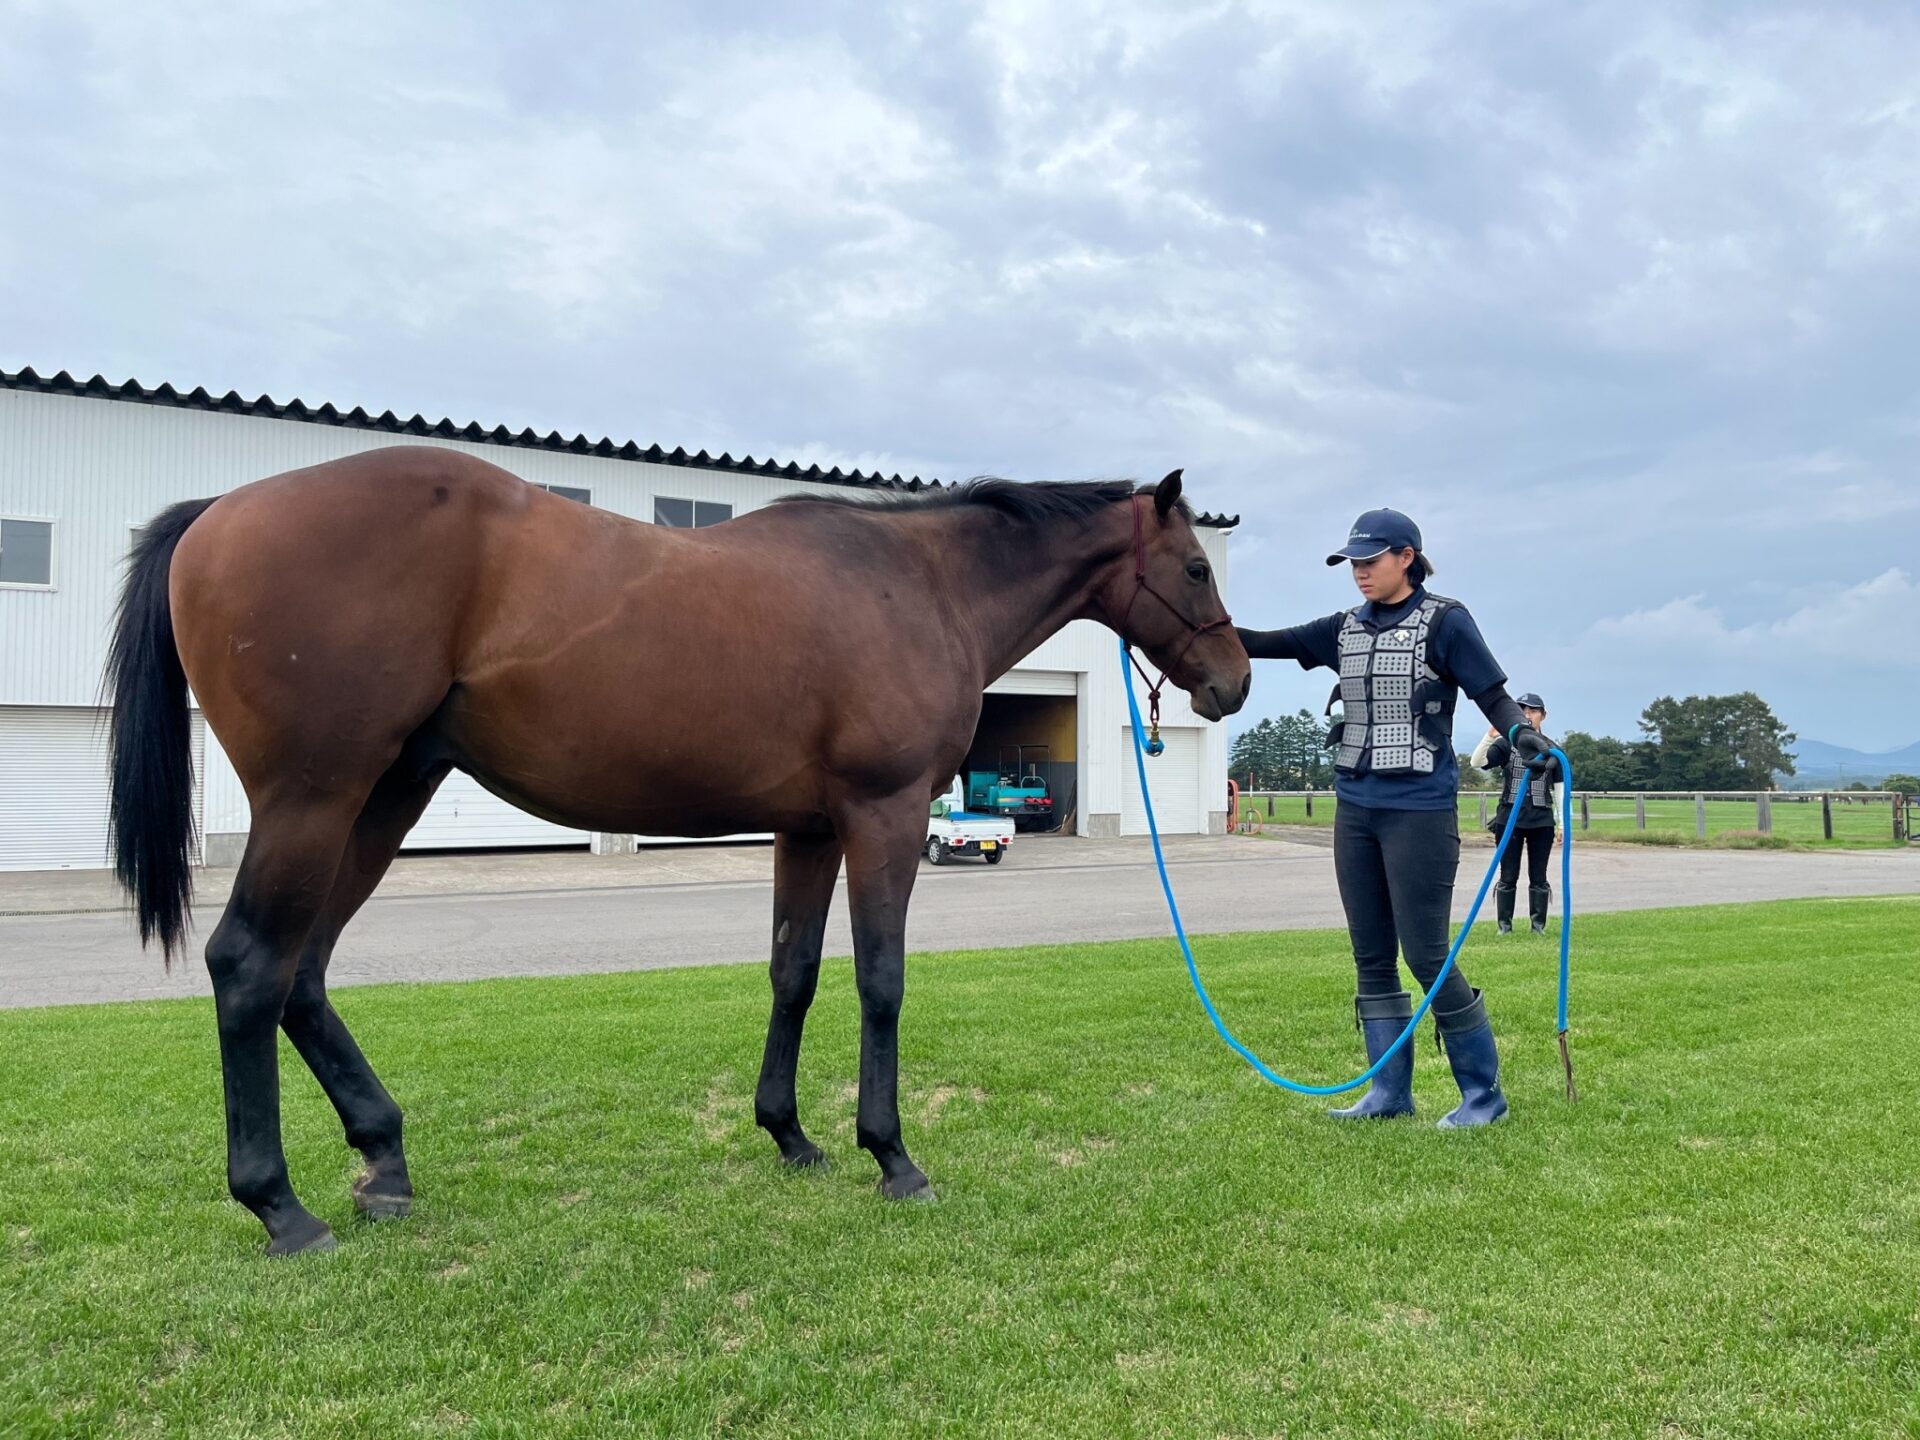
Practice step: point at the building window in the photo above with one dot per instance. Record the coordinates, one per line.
(26, 553)
(570, 492)
(690, 514)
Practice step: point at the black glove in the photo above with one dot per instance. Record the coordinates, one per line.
(1531, 746)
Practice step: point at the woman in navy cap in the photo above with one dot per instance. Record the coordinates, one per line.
(1532, 790)
(1403, 655)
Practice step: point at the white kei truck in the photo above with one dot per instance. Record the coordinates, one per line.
(952, 831)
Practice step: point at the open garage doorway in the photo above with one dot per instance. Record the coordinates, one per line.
(1019, 738)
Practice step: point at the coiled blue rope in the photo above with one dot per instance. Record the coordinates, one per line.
(1193, 970)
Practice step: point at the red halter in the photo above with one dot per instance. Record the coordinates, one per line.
(1194, 632)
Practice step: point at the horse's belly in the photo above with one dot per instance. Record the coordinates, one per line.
(687, 730)
(695, 818)
(631, 775)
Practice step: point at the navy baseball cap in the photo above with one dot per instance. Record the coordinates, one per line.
(1375, 533)
(1531, 701)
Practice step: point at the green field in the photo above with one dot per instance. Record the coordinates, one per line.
(1854, 826)
(1136, 1236)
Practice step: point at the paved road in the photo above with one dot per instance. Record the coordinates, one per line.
(457, 918)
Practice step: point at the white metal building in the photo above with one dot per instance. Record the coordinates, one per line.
(83, 463)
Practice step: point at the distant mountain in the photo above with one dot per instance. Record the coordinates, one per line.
(1817, 763)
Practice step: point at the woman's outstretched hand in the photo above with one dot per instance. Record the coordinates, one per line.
(1532, 747)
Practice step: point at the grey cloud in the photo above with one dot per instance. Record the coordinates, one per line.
(1617, 298)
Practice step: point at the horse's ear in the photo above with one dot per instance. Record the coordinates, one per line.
(1166, 493)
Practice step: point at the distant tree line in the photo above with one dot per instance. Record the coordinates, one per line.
(1704, 742)
(1286, 753)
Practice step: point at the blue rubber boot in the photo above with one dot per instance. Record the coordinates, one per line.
(1390, 1093)
(1468, 1037)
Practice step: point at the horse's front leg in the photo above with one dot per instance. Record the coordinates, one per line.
(883, 843)
(804, 870)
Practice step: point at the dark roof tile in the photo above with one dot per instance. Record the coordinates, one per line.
(357, 418)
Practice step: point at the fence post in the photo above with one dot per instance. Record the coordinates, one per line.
(1309, 804)
(1586, 820)
(1763, 813)
(1639, 811)
(1483, 809)
(1699, 815)
(1826, 814)
(1899, 811)
(1270, 807)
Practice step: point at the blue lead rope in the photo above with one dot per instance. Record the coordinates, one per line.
(1140, 749)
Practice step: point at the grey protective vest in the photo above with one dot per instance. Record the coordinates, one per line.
(1395, 711)
(1516, 775)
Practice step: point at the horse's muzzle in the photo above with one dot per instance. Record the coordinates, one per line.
(1216, 702)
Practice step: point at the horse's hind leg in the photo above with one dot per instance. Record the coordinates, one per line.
(367, 1112)
(804, 871)
(292, 855)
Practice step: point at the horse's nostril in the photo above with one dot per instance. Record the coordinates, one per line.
(1246, 687)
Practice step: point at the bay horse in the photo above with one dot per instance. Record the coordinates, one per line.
(355, 630)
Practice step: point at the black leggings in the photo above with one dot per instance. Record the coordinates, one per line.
(1395, 869)
(1537, 841)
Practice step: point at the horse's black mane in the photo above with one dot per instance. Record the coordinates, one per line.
(1038, 500)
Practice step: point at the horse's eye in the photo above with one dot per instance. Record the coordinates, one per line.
(1197, 572)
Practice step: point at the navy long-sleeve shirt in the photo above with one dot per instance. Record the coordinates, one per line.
(1457, 653)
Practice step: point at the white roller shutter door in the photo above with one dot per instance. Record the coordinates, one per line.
(1175, 780)
(463, 815)
(1036, 682)
(54, 787)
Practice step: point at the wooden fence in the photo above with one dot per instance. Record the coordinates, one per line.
(1864, 816)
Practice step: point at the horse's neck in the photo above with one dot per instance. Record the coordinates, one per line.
(1018, 584)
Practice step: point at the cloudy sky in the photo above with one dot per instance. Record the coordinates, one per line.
(1620, 300)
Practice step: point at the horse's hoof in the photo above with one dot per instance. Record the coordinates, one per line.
(811, 1158)
(383, 1207)
(910, 1187)
(315, 1241)
(378, 1204)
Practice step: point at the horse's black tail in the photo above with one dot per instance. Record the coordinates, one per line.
(152, 739)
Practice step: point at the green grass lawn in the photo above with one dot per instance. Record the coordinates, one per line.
(1859, 826)
(1136, 1236)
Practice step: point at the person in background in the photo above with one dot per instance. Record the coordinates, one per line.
(1403, 656)
(1532, 790)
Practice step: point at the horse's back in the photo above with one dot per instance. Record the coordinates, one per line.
(582, 663)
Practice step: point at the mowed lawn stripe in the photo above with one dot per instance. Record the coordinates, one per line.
(1136, 1236)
